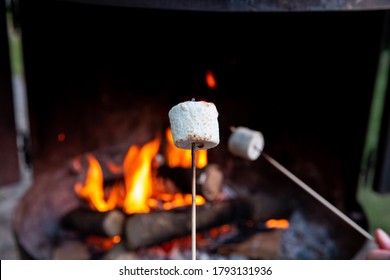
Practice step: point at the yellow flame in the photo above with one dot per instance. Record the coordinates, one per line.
(138, 176)
(134, 195)
(182, 200)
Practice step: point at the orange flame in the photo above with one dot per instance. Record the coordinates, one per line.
(274, 223)
(210, 80)
(182, 199)
(92, 190)
(176, 157)
(103, 243)
(114, 168)
(136, 194)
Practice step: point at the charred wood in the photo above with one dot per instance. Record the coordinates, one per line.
(91, 222)
(260, 246)
(209, 180)
(110, 160)
(156, 227)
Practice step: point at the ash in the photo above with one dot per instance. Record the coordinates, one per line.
(306, 239)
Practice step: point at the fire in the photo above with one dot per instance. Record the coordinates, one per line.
(138, 180)
(210, 80)
(114, 169)
(178, 157)
(137, 194)
(92, 190)
(102, 243)
(274, 223)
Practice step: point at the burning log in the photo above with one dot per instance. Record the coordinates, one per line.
(209, 181)
(90, 222)
(110, 160)
(156, 227)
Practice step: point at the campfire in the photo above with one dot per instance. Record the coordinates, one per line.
(142, 184)
(145, 201)
(135, 203)
(140, 191)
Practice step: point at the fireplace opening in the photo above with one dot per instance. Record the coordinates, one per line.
(102, 79)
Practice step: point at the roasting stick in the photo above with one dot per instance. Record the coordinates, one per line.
(317, 196)
(249, 144)
(193, 229)
(194, 127)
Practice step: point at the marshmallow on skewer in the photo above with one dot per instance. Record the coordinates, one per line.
(249, 144)
(194, 122)
(246, 143)
(194, 126)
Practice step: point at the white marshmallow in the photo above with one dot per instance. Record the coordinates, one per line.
(246, 143)
(194, 122)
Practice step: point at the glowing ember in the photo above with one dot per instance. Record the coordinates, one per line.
(215, 232)
(210, 80)
(61, 137)
(274, 223)
(182, 199)
(102, 243)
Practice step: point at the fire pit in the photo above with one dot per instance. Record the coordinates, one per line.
(132, 201)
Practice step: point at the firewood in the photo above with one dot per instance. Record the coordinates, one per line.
(91, 222)
(110, 161)
(265, 206)
(260, 246)
(146, 229)
(209, 182)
